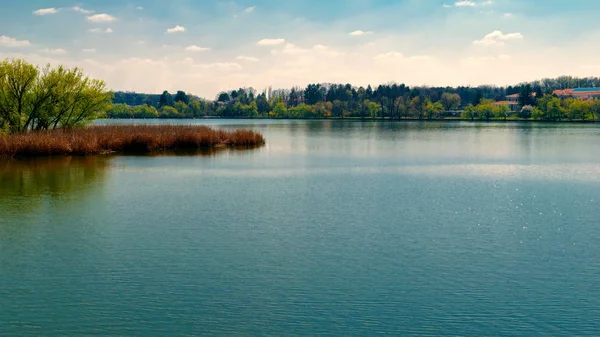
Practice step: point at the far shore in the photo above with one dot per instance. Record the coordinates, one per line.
(376, 119)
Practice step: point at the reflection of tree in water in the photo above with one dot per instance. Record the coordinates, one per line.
(26, 184)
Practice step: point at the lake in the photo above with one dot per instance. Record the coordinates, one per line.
(333, 227)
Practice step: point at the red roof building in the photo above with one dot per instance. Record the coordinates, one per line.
(580, 93)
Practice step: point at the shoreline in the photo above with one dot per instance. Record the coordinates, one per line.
(371, 119)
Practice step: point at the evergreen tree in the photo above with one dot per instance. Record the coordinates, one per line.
(165, 99)
(181, 97)
(526, 96)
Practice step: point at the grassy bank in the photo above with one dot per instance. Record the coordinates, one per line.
(124, 139)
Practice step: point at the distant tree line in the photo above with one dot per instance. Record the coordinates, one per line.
(386, 101)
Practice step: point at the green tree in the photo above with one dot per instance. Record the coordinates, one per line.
(165, 99)
(338, 108)
(323, 109)
(181, 108)
(450, 101)
(401, 107)
(417, 107)
(196, 109)
(470, 112)
(526, 96)
(372, 108)
(433, 110)
(262, 104)
(595, 108)
(34, 99)
(169, 112)
(577, 109)
(181, 96)
(555, 110)
(280, 110)
(314, 93)
(485, 109)
(537, 113)
(525, 112)
(501, 111)
(145, 111)
(251, 110)
(223, 97)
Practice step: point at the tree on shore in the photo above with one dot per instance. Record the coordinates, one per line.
(49, 98)
(165, 99)
(450, 101)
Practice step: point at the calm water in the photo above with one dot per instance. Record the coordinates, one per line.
(342, 228)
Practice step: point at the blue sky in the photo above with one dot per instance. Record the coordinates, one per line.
(205, 46)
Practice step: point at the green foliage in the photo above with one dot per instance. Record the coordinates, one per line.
(48, 98)
(525, 112)
(372, 108)
(223, 97)
(337, 108)
(165, 99)
(169, 112)
(323, 109)
(450, 101)
(486, 109)
(537, 113)
(280, 110)
(417, 107)
(433, 110)
(526, 96)
(181, 97)
(470, 112)
(314, 93)
(501, 111)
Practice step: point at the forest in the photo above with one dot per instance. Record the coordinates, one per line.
(386, 101)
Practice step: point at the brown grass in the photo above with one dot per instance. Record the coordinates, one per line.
(138, 139)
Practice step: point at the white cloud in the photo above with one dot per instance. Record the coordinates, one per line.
(483, 61)
(360, 33)
(101, 18)
(470, 3)
(390, 55)
(12, 42)
(176, 29)
(45, 11)
(326, 51)
(221, 66)
(100, 30)
(247, 58)
(196, 48)
(250, 9)
(508, 15)
(291, 49)
(465, 3)
(89, 50)
(82, 10)
(497, 38)
(58, 51)
(140, 8)
(270, 42)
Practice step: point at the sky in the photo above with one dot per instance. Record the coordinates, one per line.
(207, 46)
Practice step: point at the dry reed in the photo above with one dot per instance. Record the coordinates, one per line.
(138, 139)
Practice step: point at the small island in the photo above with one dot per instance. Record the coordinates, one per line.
(46, 112)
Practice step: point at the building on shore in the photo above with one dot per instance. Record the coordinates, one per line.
(579, 93)
(512, 101)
